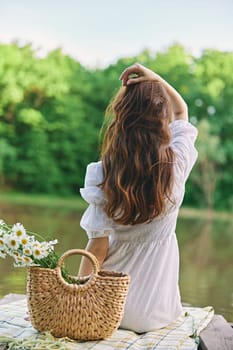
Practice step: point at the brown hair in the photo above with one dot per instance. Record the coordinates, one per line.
(136, 156)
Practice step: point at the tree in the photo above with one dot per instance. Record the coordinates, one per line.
(207, 171)
(52, 110)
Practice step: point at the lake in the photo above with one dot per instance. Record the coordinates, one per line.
(206, 253)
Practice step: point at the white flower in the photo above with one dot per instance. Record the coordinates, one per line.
(24, 241)
(41, 249)
(41, 245)
(19, 261)
(39, 253)
(23, 247)
(18, 230)
(12, 242)
(48, 246)
(36, 244)
(15, 254)
(55, 241)
(52, 243)
(2, 242)
(45, 246)
(27, 261)
(27, 251)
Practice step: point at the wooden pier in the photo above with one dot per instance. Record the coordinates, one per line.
(218, 335)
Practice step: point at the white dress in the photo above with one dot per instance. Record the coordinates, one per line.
(148, 252)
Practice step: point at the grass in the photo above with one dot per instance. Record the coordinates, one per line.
(43, 200)
(77, 203)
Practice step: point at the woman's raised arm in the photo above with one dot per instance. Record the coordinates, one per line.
(138, 73)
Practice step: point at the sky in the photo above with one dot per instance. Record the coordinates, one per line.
(98, 32)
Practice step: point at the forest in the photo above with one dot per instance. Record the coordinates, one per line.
(52, 110)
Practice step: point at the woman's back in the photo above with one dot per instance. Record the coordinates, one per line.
(147, 251)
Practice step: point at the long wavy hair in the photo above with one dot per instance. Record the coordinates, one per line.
(136, 157)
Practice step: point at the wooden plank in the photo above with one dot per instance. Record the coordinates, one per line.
(218, 335)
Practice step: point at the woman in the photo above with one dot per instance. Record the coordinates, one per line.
(134, 194)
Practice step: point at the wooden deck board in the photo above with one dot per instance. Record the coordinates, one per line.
(218, 335)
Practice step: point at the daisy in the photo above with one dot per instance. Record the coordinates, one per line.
(27, 251)
(39, 253)
(12, 242)
(18, 230)
(24, 241)
(52, 243)
(45, 246)
(2, 242)
(36, 244)
(22, 246)
(19, 262)
(15, 254)
(28, 261)
(40, 245)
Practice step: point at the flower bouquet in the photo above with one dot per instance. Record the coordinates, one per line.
(67, 306)
(24, 248)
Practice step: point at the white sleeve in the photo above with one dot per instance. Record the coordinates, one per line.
(94, 220)
(183, 139)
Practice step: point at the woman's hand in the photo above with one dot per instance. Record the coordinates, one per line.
(138, 73)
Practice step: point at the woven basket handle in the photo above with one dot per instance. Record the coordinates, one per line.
(83, 252)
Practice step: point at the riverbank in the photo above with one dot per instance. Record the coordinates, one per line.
(79, 204)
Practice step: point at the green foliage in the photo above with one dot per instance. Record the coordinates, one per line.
(51, 112)
(206, 173)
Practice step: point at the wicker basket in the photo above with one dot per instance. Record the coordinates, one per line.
(87, 311)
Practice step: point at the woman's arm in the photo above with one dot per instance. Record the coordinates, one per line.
(179, 106)
(98, 247)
